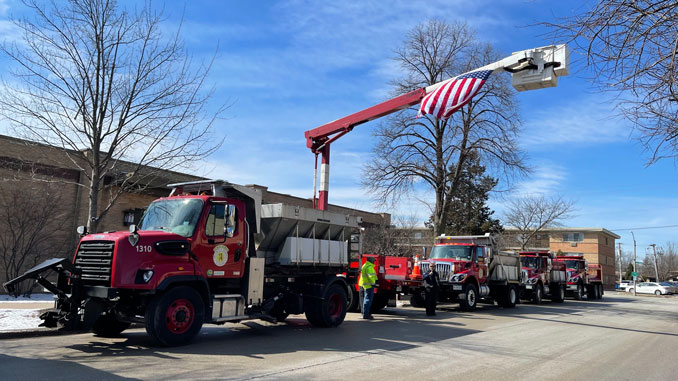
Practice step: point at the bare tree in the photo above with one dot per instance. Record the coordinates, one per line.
(104, 84)
(31, 226)
(412, 151)
(632, 48)
(530, 215)
(403, 239)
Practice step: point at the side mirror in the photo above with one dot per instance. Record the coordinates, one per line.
(82, 230)
(231, 222)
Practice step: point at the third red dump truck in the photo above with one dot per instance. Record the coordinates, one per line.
(582, 279)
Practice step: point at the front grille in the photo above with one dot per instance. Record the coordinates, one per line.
(445, 270)
(94, 259)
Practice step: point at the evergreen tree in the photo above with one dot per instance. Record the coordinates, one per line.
(467, 211)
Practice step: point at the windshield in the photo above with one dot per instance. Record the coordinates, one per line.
(531, 262)
(572, 264)
(451, 252)
(178, 216)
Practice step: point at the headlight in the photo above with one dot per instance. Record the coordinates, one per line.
(143, 276)
(532, 280)
(458, 277)
(147, 276)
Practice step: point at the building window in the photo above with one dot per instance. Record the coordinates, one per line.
(417, 235)
(132, 216)
(573, 237)
(606, 243)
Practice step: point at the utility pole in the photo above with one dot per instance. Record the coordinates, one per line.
(654, 254)
(620, 262)
(635, 277)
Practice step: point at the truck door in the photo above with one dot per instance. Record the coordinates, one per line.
(222, 248)
(482, 264)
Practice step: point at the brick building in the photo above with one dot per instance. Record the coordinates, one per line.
(37, 176)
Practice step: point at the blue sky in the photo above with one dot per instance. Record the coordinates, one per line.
(286, 67)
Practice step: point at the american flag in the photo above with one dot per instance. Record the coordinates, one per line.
(453, 94)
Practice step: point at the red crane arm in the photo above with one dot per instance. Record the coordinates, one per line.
(320, 138)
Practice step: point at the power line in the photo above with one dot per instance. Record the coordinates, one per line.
(646, 227)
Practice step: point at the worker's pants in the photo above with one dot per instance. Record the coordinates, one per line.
(431, 300)
(367, 300)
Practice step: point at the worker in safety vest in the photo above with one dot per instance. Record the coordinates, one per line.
(368, 281)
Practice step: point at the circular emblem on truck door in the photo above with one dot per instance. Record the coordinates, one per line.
(220, 255)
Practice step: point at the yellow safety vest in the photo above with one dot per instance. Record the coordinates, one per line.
(368, 277)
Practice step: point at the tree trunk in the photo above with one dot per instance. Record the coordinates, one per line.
(92, 213)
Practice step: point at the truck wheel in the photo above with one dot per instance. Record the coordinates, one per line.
(379, 303)
(600, 291)
(560, 296)
(470, 300)
(510, 299)
(353, 300)
(330, 311)
(108, 326)
(417, 300)
(579, 294)
(175, 317)
(538, 294)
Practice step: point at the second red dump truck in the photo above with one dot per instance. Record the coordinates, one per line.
(542, 277)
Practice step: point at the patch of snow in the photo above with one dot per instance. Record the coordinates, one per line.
(11, 320)
(33, 298)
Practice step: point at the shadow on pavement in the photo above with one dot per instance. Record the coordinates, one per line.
(255, 339)
(17, 368)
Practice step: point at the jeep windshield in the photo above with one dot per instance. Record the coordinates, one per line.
(178, 216)
(451, 252)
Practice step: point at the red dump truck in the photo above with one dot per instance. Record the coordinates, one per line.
(471, 270)
(391, 272)
(542, 277)
(582, 279)
(208, 253)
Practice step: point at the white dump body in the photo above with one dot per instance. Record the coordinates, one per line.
(505, 267)
(294, 235)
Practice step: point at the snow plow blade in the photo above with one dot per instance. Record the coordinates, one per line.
(68, 290)
(60, 265)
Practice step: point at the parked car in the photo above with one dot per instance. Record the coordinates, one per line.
(672, 287)
(651, 288)
(626, 285)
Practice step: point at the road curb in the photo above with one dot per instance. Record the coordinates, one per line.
(25, 333)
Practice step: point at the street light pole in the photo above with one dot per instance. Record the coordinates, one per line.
(634, 264)
(620, 263)
(654, 254)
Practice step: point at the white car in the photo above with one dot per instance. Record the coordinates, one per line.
(626, 285)
(651, 288)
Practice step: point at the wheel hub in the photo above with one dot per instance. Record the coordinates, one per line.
(179, 316)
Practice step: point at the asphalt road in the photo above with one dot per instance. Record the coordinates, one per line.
(618, 338)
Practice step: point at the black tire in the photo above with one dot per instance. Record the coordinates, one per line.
(175, 317)
(470, 300)
(601, 292)
(509, 298)
(417, 300)
(559, 294)
(353, 300)
(657, 292)
(379, 303)
(330, 311)
(579, 294)
(279, 312)
(109, 326)
(538, 294)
